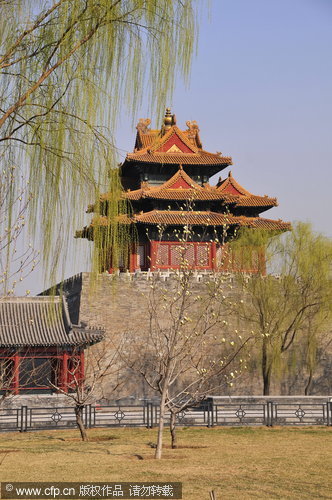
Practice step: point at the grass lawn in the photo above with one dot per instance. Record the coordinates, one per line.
(238, 463)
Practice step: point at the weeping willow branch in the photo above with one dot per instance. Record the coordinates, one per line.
(16, 260)
(66, 69)
(280, 307)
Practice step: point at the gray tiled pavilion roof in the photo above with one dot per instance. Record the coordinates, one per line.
(41, 321)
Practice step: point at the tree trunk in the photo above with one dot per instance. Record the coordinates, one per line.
(79, 421)
(172, 428)
(162, 409)
(308, 386)
(266, 382)
(266, 369)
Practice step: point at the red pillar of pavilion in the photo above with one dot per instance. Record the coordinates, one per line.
(64, 372)
(16, 373)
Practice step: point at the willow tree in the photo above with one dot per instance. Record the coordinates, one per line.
(291, 302)
(66, 69)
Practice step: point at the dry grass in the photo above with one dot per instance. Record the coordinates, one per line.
(238, 463)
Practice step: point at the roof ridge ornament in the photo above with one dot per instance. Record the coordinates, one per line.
(192, 128)
(143, 125)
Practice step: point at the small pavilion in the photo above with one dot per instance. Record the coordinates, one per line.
(40, 349)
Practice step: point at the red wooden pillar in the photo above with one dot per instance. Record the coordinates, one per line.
(16, 374)
(133, 259)
(153, 254)
(64, 373)
(213, 255)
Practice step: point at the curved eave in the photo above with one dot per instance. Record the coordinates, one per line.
(214, 163)
(41, 322)
(69, 343)
(176, 219)
(261, 203)
(256, 201)
(202, 195)
(271, 225)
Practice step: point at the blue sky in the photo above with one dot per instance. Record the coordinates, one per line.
(260, 91)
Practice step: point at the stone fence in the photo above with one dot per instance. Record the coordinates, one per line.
(219, 411)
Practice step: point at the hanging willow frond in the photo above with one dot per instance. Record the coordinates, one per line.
(67, 67)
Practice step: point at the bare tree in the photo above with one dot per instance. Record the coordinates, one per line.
(87, 378)
(183, 352)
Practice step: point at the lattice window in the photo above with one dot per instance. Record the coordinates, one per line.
(224, 257)
(162, 255)
(237, 259)
(183, 255)
(203, 255)
(177, 252)
(189, 255)
(255, 262)
(141, 256)
(219, 257)
(246, 259)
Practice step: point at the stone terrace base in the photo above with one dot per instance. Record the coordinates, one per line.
(37, 400)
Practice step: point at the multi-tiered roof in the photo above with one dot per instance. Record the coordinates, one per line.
(166, 179)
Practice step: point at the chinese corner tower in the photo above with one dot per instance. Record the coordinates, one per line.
(176, 210)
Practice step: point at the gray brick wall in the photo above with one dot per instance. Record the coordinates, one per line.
(118, 303)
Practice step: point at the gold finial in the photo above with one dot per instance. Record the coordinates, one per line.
(168, 120)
